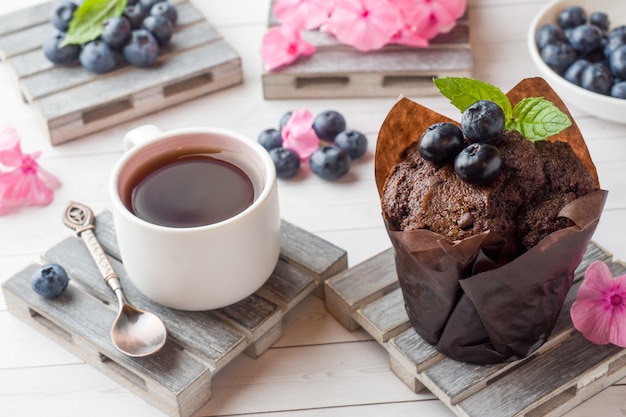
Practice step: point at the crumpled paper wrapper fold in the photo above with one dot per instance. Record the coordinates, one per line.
(456, 297)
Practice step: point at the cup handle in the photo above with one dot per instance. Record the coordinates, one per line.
(140, 135)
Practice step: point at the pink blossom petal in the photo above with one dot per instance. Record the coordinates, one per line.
(10, 149)
(599, 311)
(282, 45)
(364, 24)
(303, 14)
(298, 134)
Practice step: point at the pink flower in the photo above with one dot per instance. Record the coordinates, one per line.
(298, 134)
(25, 183)
(427, 18)
(364, 24)
(303, 14)
(599, 311)
(282, 45)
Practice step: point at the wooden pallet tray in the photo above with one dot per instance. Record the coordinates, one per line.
(560, 375)
(340, 71)
(72, 102)
(177, 379)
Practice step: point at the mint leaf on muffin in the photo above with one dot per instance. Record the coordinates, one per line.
(534, 117)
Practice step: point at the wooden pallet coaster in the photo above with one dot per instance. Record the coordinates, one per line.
(71, 102)
(340, 71)
(177, 379)
(564, 372)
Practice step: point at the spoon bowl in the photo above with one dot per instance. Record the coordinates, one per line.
(135, 332)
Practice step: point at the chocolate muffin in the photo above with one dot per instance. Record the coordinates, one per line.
(521, 205)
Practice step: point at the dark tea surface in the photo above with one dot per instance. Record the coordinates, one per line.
(192, 190)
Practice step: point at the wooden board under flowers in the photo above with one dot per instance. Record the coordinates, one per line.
(336, 70)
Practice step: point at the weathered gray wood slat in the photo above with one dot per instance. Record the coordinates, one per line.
(72, 102)
(546, 383)
(177, 380)
(338, 70)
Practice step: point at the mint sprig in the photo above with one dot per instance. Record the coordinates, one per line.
(86, 24)
(535, 118)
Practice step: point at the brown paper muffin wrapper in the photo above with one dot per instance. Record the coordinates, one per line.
(456, 297)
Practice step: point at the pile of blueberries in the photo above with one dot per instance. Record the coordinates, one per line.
(339, 146)
(478, 163)
(135, 37)
(585, 52)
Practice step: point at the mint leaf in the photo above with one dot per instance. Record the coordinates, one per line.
(538, 119)
(463, 92)
(86, 24)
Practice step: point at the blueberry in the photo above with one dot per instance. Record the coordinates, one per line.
(165, 9)
(572, 16)
(600, 20)
(585, 38)
(142, 50)
(558, 56)
(353, 142)
(61, 56)
(135, 15)
(483, 121)
(574, 73)
(597, 78)
(49, 280)
(62, 14)
(615, 39)
(98, 57)
(160, 27)
(148, 4)
(441, 142)
(617, 61)
(618, 90)
(116, 32)
(330, 162)
(270, 139)
(549, 33)
(286, 161)
(478, 163)
(328, 124)
(284, 120)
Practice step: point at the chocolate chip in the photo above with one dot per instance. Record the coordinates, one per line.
(466, 221)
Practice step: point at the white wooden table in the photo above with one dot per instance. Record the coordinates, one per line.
(318, 368)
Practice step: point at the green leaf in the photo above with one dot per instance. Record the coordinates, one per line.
(86, 24)
(463, 92)
(538, 119)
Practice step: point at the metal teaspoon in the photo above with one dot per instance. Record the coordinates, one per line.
(135, 332)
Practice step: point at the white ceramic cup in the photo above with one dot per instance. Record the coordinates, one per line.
(204, 267)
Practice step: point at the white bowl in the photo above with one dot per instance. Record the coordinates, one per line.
(599, 105)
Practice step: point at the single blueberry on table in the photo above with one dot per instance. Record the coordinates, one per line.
(572, 16)
(96, 56)
(286, 161)
(597, 78)
(574, 73)
(49, 280)
(585, 38)
(478, 163)
(142, 50)
(549, 33)
(328, 124)
(558, 56)
(441, 142)
(483, 121)
(353, 142)
(116, 32)
(165, 9)
(62, 14)
(330, 162)
(160, 27)
(60, 55)
(270, 139)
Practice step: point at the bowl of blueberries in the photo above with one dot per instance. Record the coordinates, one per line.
(579, 47)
